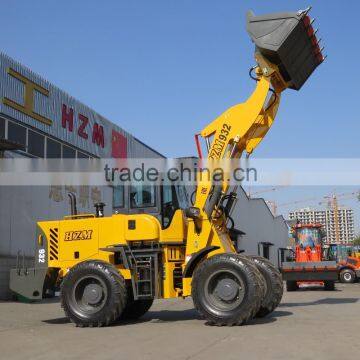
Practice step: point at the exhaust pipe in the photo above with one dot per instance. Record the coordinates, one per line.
(99, 209)
(72, 199)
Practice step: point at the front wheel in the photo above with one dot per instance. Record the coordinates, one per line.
(226, 289)
(93, 293)
(273, 285)
(329, 285)
(291, 285)
(347, 276)
(136, 308)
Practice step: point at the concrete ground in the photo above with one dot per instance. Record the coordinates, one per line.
(309, 324)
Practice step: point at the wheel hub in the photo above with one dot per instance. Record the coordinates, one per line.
(347, 276)
(224, 290)
(92, 294)
(89, 295)
(227, 289)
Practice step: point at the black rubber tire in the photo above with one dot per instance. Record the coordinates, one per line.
(245, 271)
(260, 277)
(273, 285)
(329, 285)
(291, 285)
(347, 276)
(114, 302)
(135, 309)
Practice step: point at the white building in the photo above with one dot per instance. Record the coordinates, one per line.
(339, 229)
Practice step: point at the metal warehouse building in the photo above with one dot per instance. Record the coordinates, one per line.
(38, 120)
(264, 233)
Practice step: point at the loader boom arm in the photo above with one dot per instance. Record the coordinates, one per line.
(239, 129)
(286, 52)
(242, 127)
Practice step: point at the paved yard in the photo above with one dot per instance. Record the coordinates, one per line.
(309, 324)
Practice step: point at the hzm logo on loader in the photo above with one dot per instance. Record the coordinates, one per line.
(78, 235)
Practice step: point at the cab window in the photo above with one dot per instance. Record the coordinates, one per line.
(142, 196)
(169, 204)
(118, 197)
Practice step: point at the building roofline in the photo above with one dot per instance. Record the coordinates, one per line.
(149, 147)
(49, 83)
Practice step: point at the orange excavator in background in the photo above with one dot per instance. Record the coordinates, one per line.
(308, 263)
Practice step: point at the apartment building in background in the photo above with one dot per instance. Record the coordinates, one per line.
(338, 229)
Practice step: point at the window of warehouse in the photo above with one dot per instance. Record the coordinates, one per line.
(118, 197)
(53, 149)
(68, 152)
(2, 129)
(82, 155)
(16, 133)
(36, 144)
(142, 196)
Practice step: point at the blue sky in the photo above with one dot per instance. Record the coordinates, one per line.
(163, 69)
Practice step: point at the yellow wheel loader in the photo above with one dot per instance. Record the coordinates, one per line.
(112, 268)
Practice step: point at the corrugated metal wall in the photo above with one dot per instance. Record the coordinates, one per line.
(21, 207)
(51, 107)
(253, 217)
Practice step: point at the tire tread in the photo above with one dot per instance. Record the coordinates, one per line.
(118, 297)
(251, 307)
(270, 302)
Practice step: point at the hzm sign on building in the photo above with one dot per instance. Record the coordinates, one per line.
(34, 101)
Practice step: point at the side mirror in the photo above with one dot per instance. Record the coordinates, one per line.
(192, 212)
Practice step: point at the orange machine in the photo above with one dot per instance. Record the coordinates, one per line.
(349, 269)
(307, 264)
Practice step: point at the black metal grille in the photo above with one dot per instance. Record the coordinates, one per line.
(54, 244)
(178, 276)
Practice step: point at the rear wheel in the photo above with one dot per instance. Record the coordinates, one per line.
(93, 293)
(347, 276)
(273, 285)
(226, 289)
(291, 285)
(136, 308)
(329, 285)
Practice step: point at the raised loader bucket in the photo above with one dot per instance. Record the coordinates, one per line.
(287, 40)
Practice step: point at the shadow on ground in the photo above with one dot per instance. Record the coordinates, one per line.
(58, 321)
(52, 300)
(270, 318)
(167, 316)
(316, 288)
(325, 301)
(152, 316)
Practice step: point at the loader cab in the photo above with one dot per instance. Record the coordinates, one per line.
(173, 197)
(160, 201)
(308, 235)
